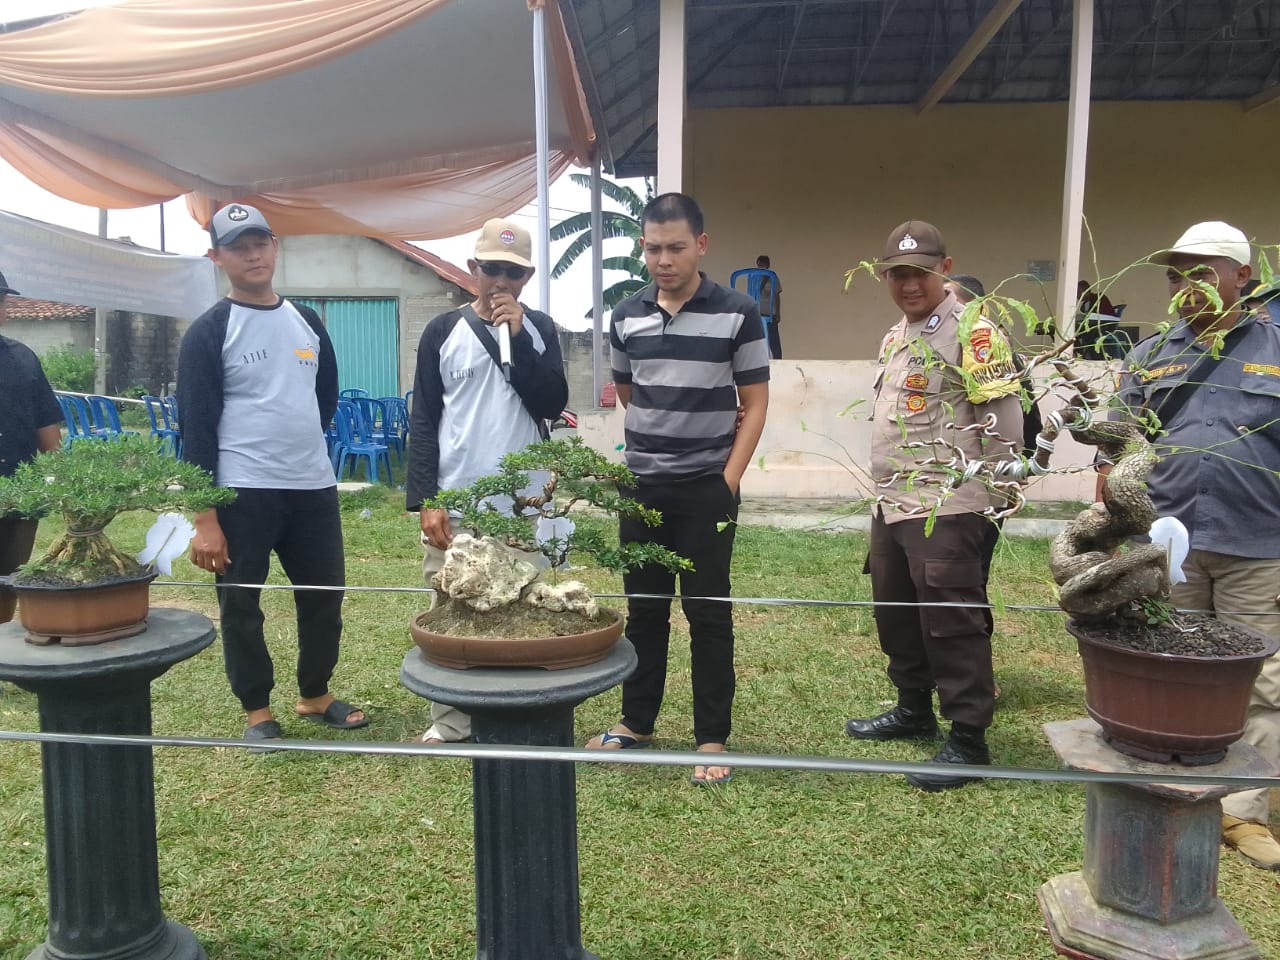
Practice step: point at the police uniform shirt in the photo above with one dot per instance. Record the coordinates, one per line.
(920, 389)
(1219, 461)
(27, 404)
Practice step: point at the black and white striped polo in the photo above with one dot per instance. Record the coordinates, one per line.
(684, 371)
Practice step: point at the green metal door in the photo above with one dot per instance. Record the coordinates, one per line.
(366, 338)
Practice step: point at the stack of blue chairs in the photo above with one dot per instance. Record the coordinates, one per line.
(164, 422)
(355, 441)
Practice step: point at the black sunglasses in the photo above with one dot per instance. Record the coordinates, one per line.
(491, 269)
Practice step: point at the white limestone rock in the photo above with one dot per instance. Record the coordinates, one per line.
(571, 595)
(483, 573)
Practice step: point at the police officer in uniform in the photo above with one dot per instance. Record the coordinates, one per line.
(937, 373)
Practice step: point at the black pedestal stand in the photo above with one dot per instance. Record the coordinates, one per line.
(99, 801)
(526, 811)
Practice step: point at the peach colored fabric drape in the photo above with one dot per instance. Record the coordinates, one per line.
(171, 49)
(181, 47)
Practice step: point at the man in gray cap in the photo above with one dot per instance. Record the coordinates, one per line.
(1218, 470)
(30, 421)
(257, 386)
(932, 380)
(467, 413)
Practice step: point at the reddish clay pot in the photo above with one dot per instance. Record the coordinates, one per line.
(82, 615)
(549, 653)
(1167, 708)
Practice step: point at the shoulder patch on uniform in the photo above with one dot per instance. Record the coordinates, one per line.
(1166, 371)
(1267, 368)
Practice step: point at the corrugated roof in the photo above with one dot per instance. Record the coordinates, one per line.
(758, 53)
(24, 308)
(441, 267)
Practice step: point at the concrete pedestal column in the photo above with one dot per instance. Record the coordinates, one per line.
(99, 801)
(1148, 890)
(526, 811)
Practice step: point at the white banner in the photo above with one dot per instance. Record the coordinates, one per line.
(48, 262)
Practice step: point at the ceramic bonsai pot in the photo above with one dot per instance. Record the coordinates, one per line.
(78, 615)
(1168, 708)
(549, 653)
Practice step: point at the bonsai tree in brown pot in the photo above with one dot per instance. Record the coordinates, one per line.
(83, 589)
(500, 599)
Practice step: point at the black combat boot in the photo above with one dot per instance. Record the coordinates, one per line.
(966, 745)
(911, 719)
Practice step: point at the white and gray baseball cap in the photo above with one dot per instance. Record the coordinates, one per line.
(233, 220)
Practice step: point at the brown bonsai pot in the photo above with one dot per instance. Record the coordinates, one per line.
(1168, 708)
(82, 614)
(549, 653)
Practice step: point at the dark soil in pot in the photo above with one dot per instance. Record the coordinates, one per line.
(1196, 635)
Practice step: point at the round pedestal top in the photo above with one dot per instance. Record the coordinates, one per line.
(171, 636)
(513, 688)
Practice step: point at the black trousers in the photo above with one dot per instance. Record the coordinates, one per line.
(17, 537)
(944, 647)
(691, 510)
(304, 530)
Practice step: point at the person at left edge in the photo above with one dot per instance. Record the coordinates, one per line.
(257, 385)
(30, 422)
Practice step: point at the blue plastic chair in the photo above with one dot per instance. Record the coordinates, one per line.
(352, 393)
(397, 424)
(377, 421)
(163, 425)
(353, 444)
(75, 412)
(106, 418)
(755, 283)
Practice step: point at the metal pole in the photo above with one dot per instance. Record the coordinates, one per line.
(542, 140)
(162, 250)
(597, 283)
(100, 327)
(1077, 151)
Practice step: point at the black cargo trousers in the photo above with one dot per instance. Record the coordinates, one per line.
(944, 647)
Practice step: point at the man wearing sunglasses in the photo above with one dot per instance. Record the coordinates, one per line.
(466, 414)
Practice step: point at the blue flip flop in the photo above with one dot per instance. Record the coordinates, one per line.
(623, 740)
(710, 781)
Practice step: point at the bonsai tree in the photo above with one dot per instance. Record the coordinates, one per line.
(90, 483)
(516, 537)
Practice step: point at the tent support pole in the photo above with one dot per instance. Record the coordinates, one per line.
(597, 283)
(542, 139)
(1077, 153)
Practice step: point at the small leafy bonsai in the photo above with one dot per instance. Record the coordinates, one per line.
(91, 482)
(510, 537)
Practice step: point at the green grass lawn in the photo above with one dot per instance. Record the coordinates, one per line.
(320, 857)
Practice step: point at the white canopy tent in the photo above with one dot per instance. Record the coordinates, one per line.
(403, 119)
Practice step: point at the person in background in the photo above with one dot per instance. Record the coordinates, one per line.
(30, 423)
(766, 292)
(466, 415)
(257, 386)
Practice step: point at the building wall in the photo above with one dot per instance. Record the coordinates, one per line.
(143, 351)
(817, 439)
(43, 335)
(819, 188)
(343, 266)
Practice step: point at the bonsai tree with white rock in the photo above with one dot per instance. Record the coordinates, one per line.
(502, 575)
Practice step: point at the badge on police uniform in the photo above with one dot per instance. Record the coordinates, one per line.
(915, 402)
(916, 381)
(934, 322)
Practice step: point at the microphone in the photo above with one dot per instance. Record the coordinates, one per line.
(504, 350)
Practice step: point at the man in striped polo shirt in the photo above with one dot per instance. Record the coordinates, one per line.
(686, 353)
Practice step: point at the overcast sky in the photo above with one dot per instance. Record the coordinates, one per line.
(570, 294)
